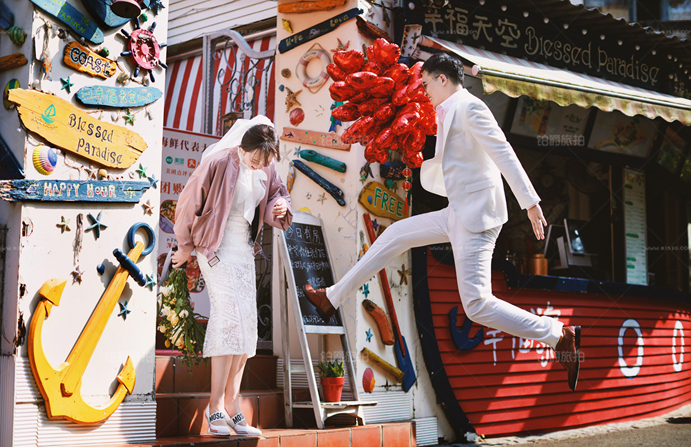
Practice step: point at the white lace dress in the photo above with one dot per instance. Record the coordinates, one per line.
(232, 328)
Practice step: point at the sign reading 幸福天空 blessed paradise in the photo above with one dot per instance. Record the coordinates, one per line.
(573, 48)
(74, 130)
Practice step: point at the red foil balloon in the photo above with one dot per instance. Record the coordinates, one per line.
(349, 61)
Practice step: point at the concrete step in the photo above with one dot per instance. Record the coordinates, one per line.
(396, 434)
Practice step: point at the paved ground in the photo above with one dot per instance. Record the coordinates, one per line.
(670, 430)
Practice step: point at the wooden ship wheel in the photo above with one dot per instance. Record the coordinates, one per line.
(144, 49)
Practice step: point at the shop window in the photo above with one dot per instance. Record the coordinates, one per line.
(618, 8)
(676, 10)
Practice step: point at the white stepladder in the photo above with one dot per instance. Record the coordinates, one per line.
(303, 257)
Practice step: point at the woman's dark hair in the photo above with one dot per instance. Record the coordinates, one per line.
(262, 138)
(445, 64)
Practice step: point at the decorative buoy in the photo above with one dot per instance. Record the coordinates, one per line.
(5, 101)
(45, 159)
(368, 380)
(315, 83)
(17, 35)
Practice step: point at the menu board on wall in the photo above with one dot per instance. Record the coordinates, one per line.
(634, 227)
(181, 153)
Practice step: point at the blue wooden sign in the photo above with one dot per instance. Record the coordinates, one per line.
(73, 190)
(10, 168)
(6, 17)
(118, 96)
(101, 12)
(71, 17)
(317, 30)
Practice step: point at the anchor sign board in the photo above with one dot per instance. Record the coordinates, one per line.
(118, 96)
(73, 130)
(70, 16)
(86, 61)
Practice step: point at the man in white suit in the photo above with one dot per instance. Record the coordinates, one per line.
(470, 158)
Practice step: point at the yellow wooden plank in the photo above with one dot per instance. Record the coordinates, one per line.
(380, 201)
(68, 127)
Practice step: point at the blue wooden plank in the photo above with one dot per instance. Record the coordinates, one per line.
(102, 96)
(10, 168)
(6, 17)
(101, 12)
(73, 190)
(71, 17)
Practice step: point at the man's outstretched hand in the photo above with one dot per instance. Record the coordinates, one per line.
(537, 219)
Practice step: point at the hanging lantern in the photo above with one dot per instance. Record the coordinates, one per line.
(128, 9)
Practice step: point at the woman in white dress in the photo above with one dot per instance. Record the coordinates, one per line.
(232, 192)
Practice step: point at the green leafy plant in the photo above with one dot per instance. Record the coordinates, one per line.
(177, 321)
(332, 369)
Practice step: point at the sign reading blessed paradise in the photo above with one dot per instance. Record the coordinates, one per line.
(73, 190)
(69, 128)
(83, 59)
(118, 96)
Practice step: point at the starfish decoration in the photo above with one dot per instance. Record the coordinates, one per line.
(321, 198)
(154, 181)
(375, 224)
(141, 171)
(340, 46)
(150, 282)
(96, 224)
(129, 118)
(155, 6)
(124, 310)
(77, 275)
(363, 177)
(404, 275)
(64, 224)
(291, 99)
(296, 153)
(369, 334)
(91, 172)
(148, 207)
(66, 84)
(365, 290)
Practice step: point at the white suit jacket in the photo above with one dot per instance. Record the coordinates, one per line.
(468, 171)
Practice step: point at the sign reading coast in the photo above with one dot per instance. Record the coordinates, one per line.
(83, 59)
(69, 128)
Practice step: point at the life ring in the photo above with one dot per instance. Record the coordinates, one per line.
(317, 81)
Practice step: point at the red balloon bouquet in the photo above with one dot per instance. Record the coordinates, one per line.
(386, 101)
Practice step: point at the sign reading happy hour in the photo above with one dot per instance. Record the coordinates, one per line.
(69, 128)
(73, 190)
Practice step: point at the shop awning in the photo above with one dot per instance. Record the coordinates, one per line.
(516, 77)
(184, 96)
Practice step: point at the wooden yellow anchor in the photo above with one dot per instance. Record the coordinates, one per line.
(61, 386)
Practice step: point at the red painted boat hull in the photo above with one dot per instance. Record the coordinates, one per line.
(635, 362)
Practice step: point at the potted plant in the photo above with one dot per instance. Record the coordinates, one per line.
(332, 380)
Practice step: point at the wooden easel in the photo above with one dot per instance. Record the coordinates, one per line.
(283, 264)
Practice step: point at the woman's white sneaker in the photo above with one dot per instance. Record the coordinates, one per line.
(218, 423)
(241, 427)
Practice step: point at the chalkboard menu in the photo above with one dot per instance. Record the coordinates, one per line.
(310, 263)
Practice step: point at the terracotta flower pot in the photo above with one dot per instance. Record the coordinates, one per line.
(333, 387)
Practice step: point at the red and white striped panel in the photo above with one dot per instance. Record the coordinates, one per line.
(184, 96)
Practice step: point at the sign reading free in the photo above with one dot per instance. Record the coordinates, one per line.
(69, 128)
(380, 201)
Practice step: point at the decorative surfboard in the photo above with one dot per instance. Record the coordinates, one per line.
(68, 127)
(73, 190)
(86, 61)
(323, 139)
(380, 201)
(317, 30)
(118, 96)
(70, 16)
(101, 12)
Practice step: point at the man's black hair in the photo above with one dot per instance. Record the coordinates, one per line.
(445, 64)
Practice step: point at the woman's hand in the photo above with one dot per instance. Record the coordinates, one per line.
(280, 209)
(537, 219)
(180, 258)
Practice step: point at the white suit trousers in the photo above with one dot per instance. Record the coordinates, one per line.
(473, 259)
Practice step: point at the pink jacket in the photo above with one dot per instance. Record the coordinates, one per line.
(204, 204)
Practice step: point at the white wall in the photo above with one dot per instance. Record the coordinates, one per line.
(190, 19)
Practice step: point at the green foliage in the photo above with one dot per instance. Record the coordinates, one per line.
(332, 369)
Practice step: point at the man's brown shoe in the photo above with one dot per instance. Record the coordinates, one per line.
(321, 302)
(568, 353)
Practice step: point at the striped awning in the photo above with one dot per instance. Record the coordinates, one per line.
(184, 96)
(516, 77)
